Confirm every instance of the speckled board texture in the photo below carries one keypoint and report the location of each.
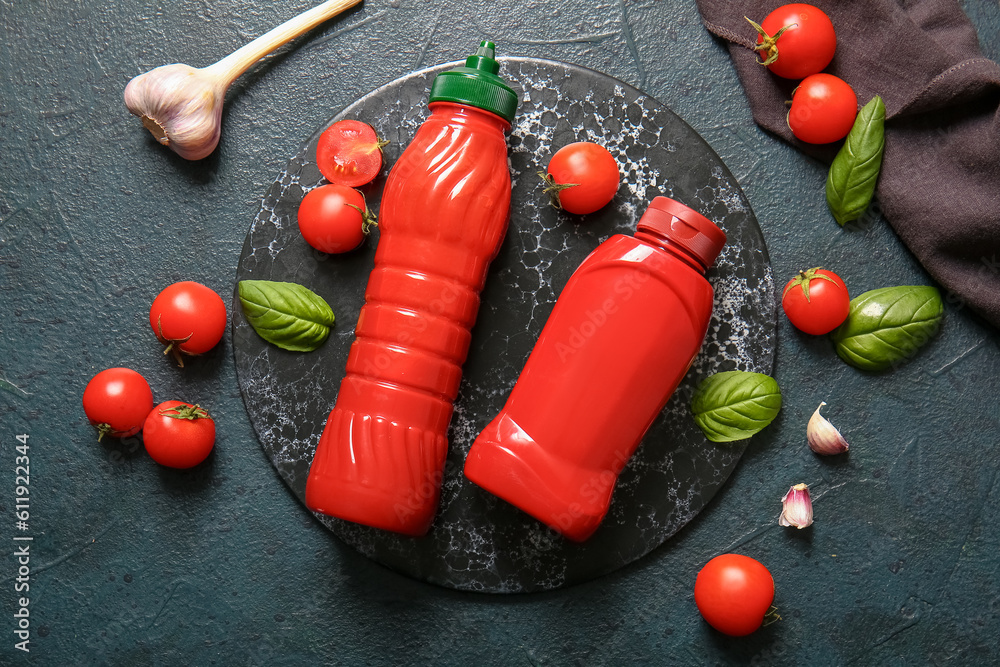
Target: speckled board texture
(130, 563)
(477, 543)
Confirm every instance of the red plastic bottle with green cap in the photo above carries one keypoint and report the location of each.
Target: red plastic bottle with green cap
(620, 338)
(443, 216)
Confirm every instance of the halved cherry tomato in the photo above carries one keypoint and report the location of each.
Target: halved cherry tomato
(188, 318)
(582, 178)
(349, 153)
(733, 593)
(823, 109)
(334, 218)
(816, 301)
(178, 434)
(796, 40)
(116, 401)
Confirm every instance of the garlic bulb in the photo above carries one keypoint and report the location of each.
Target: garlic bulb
(182, 105)
(823, 437)
(796, 507)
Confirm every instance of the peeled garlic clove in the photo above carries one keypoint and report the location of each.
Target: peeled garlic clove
(796, 507)
(823, 437)
(181, 106)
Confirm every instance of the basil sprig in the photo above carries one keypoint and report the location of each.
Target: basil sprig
(850, 184)
(887, 326)
(286, 314)
(734, 405)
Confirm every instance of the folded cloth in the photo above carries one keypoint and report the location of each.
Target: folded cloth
(940, 181)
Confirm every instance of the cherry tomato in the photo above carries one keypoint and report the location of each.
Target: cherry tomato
(349, 153)
(733, 593)
(582, 178)
(823, 109)
(796, 40)
(117, 401)
(178, 434)
(188, 318)
(334, 218)
(816, 301)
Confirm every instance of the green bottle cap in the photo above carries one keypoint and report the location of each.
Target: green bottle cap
(477, 84)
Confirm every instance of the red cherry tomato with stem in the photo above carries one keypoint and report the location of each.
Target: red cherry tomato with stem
(188, 318)
(582, 178)
(823, 109)
(796, 40)
(349, 152)
(334, 218)
(178, 434)
(816, 301)
(734, 593)
(116, 401)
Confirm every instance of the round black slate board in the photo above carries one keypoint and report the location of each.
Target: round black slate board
(478, 542)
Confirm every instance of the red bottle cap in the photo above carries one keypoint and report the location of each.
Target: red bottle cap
(683, 226)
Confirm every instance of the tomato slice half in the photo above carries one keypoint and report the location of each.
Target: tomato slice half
(349, 153)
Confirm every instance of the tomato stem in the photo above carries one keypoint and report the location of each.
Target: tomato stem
(175, 351)
(553, 189)
(768, 44)
(173, 344)
(368, 219)
(803, 280)
(190, 412)
(103, 429)
(770, 617)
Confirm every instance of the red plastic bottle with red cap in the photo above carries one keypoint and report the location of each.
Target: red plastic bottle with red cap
(620, 338)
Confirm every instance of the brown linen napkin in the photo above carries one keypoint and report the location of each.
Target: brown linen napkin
(940, 182)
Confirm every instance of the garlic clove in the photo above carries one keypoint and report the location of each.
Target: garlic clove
(823, 437)
(796, 507)
(181, 106)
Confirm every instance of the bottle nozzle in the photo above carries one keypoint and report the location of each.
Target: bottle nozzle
(484, 59)
(486, 49)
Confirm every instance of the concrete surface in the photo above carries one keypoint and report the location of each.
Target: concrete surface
(134, 564)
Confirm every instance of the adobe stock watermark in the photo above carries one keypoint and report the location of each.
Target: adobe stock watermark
(594, 491)
(979, 275)
(22, 543)
(427, 491)
(984, 279)
(448, 305)
(982, 276)
(121, 451)
(624, 289)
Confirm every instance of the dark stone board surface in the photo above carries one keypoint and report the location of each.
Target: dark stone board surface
(478, 543)
(134, 564)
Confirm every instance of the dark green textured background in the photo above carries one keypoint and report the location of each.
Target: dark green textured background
(135, 564)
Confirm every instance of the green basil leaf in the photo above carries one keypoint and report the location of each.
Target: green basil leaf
(887, 326)
(850, 185)
(735, 404)
(286, 314)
